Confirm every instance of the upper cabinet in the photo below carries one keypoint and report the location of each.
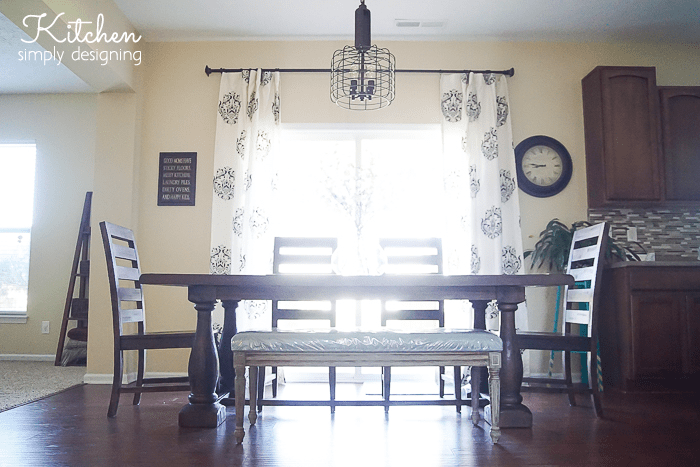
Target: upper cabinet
(642, 142)
(680, 126)
(621, 123)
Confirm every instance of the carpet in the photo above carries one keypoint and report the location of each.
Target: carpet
(22, 382)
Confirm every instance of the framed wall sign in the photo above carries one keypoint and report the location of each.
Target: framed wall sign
(177, 178)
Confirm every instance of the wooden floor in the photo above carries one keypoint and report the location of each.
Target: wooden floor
(71, 429)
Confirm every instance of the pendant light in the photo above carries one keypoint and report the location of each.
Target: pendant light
(362, 77)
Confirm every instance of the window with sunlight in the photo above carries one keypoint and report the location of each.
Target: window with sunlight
(16, 212)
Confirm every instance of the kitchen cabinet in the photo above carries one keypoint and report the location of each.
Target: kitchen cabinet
(642, 142)
(650, 326)
(680, 125)
(621, 123)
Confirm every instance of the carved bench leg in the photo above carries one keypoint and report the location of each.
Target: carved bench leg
(495, 394)
(253, 383)
(239, 387)
(475, 383)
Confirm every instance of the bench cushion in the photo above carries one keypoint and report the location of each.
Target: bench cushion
(332, 340)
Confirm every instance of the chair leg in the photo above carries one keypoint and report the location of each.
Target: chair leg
(116, 384)
(331, 383)
(595, 380)
(386, 386)
(568, 380)
(442, 382)
(261, 387)
(139, 375)
(458, 388)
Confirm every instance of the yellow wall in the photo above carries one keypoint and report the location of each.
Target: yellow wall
(64, 131)
(174, 109)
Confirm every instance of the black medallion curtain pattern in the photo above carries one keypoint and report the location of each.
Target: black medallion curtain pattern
(480, 181)
(247, 136)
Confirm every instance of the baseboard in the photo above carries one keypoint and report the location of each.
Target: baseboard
(106, 378)
(28, 357)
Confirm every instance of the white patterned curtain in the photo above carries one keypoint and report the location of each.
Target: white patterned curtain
(484, 235)
(247, 136)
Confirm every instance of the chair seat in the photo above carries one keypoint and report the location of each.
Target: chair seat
(438, 340)
(158, 340)
(553, 341)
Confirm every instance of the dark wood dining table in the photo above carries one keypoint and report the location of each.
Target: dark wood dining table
(204, 290)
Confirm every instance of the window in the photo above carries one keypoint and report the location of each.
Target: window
(16, 212)
(400, 165)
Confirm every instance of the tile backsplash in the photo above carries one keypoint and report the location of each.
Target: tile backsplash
(673, 234)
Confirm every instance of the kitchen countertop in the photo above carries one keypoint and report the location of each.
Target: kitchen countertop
(653, 264)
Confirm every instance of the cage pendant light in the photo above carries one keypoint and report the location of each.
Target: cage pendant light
(362, 77)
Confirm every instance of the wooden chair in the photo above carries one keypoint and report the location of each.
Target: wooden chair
(310, 255)
(128, 307)
(586, 259)
(411, 256)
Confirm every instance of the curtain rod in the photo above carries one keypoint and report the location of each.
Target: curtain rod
(209, 71)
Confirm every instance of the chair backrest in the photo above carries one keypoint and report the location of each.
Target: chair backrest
(309, 255)
(413, 256)
(124, 272)
(586, 260)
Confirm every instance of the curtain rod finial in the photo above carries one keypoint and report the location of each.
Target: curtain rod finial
(207, 70)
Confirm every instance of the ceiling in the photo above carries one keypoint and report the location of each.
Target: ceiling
(505, 20)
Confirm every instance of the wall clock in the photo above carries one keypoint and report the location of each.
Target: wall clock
(543, 166)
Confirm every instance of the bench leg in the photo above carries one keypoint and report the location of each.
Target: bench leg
(495, 394)
(475, 382)
(253, 383)
(239, 387)
(386, 386)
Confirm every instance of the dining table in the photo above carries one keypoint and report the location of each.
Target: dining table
(210, 368)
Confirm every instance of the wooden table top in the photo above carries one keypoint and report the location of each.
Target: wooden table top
(312, 286)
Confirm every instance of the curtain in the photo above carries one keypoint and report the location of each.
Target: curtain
(247, 137)
(483, 225)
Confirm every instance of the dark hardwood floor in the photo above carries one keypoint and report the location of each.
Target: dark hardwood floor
(72, 429)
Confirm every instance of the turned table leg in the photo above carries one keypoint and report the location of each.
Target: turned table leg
(513, 413)
(203, 410)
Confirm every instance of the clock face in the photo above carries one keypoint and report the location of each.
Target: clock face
(543, 166)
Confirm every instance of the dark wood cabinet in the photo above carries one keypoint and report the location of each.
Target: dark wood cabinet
(650, 326)
(621, 122)
(680, 125)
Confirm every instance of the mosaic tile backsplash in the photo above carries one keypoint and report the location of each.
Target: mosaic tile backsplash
(673, 234)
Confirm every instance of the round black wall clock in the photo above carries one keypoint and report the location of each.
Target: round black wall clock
(543, 166)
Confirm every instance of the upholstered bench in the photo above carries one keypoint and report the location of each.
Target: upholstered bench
(439, 347)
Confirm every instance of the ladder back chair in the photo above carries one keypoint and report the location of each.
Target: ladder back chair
(415, 256)
(309, 255)
(582, 301)
(128, 307)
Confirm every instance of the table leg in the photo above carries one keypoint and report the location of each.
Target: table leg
(226, 371)
(513, 413)
(479, 307)
(203, 410)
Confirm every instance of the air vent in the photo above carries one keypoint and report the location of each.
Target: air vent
(404, 23)
(416, 23)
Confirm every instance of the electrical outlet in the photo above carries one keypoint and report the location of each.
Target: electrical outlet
(632, 234)
(45, 327)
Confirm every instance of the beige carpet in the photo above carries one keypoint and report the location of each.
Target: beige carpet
(26, 381)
